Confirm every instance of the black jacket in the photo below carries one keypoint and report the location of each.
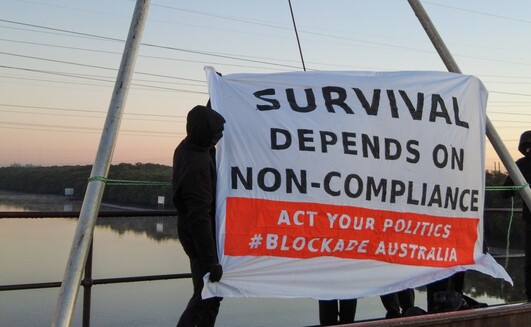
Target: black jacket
(524, 164)
(194, 184)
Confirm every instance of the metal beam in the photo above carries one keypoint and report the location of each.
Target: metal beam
(89, 211)
(451, 65)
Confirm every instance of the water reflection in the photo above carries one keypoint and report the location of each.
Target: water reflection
(14, 201)
(478, 285)
(155, 228)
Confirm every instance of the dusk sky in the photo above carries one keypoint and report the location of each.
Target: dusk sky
(59, 61)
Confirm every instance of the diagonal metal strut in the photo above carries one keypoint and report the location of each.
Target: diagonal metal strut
(492, 134)
(91, 203)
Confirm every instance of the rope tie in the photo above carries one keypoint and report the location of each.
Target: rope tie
(97, 178)
(508, 241)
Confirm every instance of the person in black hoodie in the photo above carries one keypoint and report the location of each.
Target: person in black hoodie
(524, 164)
(194, 194)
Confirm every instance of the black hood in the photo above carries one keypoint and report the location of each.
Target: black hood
(204, 126)
(525, 142)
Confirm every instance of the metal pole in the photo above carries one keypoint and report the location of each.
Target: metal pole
(87, 287)
(451, 65)
(91, 203)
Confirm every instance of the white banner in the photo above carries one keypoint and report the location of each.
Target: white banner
(336, 185)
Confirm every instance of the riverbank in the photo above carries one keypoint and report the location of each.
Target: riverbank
(52, 202)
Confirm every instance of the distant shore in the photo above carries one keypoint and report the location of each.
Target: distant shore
(72, 203)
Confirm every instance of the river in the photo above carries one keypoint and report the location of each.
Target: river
(36, 250)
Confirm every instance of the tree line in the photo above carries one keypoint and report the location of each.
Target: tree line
(55, 179)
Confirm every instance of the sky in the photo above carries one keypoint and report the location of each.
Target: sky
(59, 60)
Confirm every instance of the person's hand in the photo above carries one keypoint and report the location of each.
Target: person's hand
(216, 271)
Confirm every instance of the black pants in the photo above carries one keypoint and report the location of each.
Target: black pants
(199, 312)
(337, 312)
(397, 303)
(455, 282)
(527, 267)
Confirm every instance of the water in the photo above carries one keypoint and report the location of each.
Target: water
(36, 250)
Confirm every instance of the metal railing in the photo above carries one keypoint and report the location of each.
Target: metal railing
(87, 282)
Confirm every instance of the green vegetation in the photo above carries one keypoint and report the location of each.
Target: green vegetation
(54, 180)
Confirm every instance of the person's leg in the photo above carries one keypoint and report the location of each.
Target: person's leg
(208, 310)
(347, 311)
(391, 304)
(189, 314)
(458, 280)
(432, 288)
(186, 317)
(406, 298)
(328, 312)
(199, 312)
(527, 267)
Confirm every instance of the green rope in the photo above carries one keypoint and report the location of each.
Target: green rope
(509, 234)
(506, 188)
(108, 181)
(122, 182)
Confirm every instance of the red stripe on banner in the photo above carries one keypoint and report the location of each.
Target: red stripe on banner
(256, 227)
